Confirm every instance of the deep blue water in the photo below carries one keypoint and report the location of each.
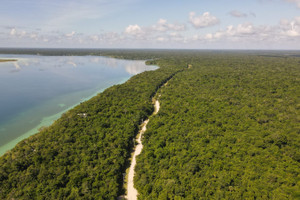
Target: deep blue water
(35, 90)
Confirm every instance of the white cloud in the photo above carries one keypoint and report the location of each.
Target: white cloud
(297, 2)
(13, 31)
(176, 37)
(238, 14)
(164, 34)
(292, 33)
(16, 33)
(209, 36)
(204, 20)
(284, 32)
(163, 26)
(133, 29)
(290, 28)
(161, 39)
(94, 38)
(70, 34)
(161, 31)
(297, 20)
(22, 33)
(33, 36)
(111, 37)
(245, 29)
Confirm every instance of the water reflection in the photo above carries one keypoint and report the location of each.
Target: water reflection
(17, 67)
(95, 59)
(136, 67)
(45, 62)
(72, 63)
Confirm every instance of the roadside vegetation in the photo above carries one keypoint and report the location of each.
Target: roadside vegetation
(228, 128)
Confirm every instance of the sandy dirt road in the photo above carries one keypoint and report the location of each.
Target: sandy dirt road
(131, 191)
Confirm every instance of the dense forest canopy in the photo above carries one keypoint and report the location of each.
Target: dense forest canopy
(227, 129)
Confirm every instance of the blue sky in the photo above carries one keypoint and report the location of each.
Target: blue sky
(191, 24)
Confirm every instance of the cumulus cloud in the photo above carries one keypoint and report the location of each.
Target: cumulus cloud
(26, 36)
(286, 30)
(17, 33)
(161, 39)
(238, 14)
(70, 34)
(246, 31)
(13, 31)
(166, 34)
(246, 28)
(111, 37)
(33, 36)
(161, 31)
(163, 25)
(176, 37)
(297, 2)
(204, 20)
(133, 29)
(290, 28)
(159, 27)
(94, 38)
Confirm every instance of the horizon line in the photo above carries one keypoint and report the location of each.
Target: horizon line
(200, 49)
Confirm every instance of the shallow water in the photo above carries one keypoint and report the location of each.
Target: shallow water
(36, 90)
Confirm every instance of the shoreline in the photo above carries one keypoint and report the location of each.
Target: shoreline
(48, 121)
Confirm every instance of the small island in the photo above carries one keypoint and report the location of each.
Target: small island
(8, 60)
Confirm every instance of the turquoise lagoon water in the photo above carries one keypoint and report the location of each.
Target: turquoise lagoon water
(36, 90)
